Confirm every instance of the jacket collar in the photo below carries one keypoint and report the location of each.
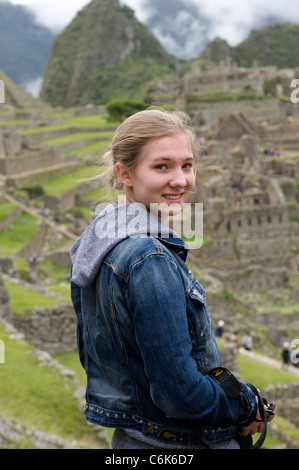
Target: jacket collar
(177, 245)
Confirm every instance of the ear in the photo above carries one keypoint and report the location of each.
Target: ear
(124, 175)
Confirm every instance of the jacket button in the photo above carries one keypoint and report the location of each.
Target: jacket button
(150, 430)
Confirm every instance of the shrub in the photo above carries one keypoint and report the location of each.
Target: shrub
(35, 191)
(119, 110)
(270, 85)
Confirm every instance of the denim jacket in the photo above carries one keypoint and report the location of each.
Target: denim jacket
(143, 333)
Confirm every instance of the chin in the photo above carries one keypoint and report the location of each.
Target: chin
(173, 209)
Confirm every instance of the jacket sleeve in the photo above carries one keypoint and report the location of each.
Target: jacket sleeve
(76, 300)
(156, 299)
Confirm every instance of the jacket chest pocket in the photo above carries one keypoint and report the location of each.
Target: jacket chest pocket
(198, 316)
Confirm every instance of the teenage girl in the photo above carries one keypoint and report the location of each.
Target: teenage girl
(144, 332)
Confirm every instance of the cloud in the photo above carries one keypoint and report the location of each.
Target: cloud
(184, 37)
(55, 14)
(234, 19)
(229, 19)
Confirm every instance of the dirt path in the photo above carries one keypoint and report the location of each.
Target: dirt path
(60, 228)
(268, 361)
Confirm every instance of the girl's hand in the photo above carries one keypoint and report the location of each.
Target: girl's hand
(255, 426)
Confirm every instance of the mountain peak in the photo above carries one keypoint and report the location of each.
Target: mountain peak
(103, 44)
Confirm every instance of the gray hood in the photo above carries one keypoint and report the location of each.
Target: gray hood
(111, 226)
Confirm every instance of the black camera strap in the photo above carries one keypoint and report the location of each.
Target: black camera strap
(264, 413)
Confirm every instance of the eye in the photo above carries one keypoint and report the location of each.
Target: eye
(188, 166)
(161, 166)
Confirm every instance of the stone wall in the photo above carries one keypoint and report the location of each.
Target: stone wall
(7, 267)
(51, 329)
(13, 433)
(256, 222)
(28, 162)
(228, 254)
(255, 111)
(254, 278)
(286, 399)
(229, 355)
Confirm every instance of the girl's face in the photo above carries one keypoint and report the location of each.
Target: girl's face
(164, 174)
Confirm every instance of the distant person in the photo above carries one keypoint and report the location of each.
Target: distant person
(32, 260)
(220, 329)
(235, 339)
(247, 342)
(285, 355)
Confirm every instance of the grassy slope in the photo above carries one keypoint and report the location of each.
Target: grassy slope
(37, 397)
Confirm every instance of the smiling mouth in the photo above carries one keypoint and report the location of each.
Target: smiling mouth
(172, 197)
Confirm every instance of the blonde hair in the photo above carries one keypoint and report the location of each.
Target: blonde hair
(136, 131)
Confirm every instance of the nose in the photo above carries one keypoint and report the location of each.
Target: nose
(178, 179)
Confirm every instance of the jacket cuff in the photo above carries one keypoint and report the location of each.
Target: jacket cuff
(248, 404)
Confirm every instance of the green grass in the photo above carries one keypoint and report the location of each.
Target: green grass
(14, 122)
(285, 158)
(62, 289)
(38, 397)
(24, 228)
(23, 301)
(80, 122)
(100, 194)
(262, 375)
(6, 209)
(95, 148)
(80, 136)
(287, 428)
(88, 122)
(44, 270)
(41, 129)
(71, 361)
(286, 309)
(62, 184)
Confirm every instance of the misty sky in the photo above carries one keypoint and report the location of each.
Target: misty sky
(230, 19)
